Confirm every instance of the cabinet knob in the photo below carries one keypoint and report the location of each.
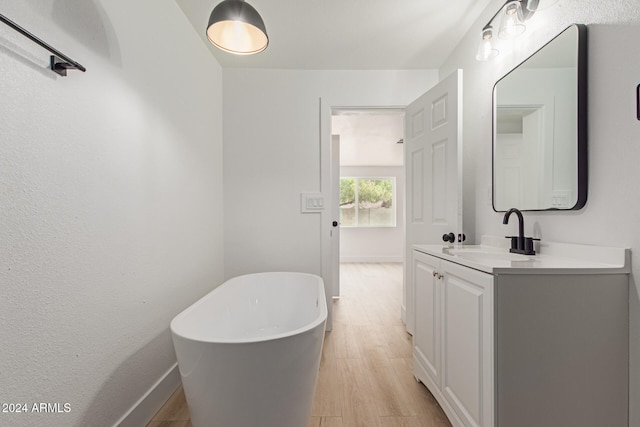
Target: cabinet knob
(440, 276)
(435, 273)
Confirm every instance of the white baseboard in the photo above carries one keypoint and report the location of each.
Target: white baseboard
(148, 405)
(372, 259)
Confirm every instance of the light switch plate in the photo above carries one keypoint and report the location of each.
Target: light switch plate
(311, 202)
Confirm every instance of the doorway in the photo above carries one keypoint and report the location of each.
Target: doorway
(368, 185)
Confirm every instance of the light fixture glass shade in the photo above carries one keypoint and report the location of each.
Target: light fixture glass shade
(236, 27)
(486, 49)
(511, 25)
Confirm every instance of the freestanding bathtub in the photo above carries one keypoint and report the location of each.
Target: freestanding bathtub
(249, 351)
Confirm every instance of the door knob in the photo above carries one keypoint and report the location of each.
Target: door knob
(335, 223)
(449, 237)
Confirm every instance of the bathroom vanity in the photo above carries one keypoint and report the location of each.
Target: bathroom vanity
(510, 340)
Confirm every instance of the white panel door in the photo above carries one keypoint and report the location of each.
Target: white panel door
(433, 167)
(335, 208)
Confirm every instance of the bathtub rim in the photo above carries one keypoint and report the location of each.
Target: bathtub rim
(322, 318)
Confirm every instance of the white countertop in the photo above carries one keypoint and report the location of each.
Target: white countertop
(553, 258)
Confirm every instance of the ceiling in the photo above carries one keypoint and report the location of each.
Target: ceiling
(349, 34)
(369, 137)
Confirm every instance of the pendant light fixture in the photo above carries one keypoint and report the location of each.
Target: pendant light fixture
(236, 27)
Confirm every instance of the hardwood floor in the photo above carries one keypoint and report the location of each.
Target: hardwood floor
(365, 377)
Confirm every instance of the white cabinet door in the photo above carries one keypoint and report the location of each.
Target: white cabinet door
(467, 343)
(453, 339)
(426, 338)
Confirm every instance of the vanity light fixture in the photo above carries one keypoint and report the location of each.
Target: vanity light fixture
(513, 15)
(59, 62)
(236, 27)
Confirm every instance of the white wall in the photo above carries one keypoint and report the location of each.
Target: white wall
(272, 154)
(111, 202)
(375, 244)
(610, 217)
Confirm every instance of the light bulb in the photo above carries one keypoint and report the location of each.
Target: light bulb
(486, 49)
(511, 25)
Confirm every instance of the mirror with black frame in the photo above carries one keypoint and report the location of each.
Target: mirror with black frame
(540, 128)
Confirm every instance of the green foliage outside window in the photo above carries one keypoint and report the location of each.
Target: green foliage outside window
(373, 198)
(375, 190)
(347, 191)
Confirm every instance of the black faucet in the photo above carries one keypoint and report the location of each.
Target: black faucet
(519, 244)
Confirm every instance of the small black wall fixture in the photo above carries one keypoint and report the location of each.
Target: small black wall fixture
(638, 102)
(60, 62)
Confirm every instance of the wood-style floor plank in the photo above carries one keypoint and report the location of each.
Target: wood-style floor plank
(400, 422)
(326, 422)
(327, 401)
(175, 410)
(387, 389)
(359, 401)
(429, 412)
(365, 377)
(177, 423)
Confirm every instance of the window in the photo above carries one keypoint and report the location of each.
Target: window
(373, 198)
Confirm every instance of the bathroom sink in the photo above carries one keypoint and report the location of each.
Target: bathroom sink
(479, 254)
(557, 257)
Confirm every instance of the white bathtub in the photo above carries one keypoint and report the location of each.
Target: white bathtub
(249, 351)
